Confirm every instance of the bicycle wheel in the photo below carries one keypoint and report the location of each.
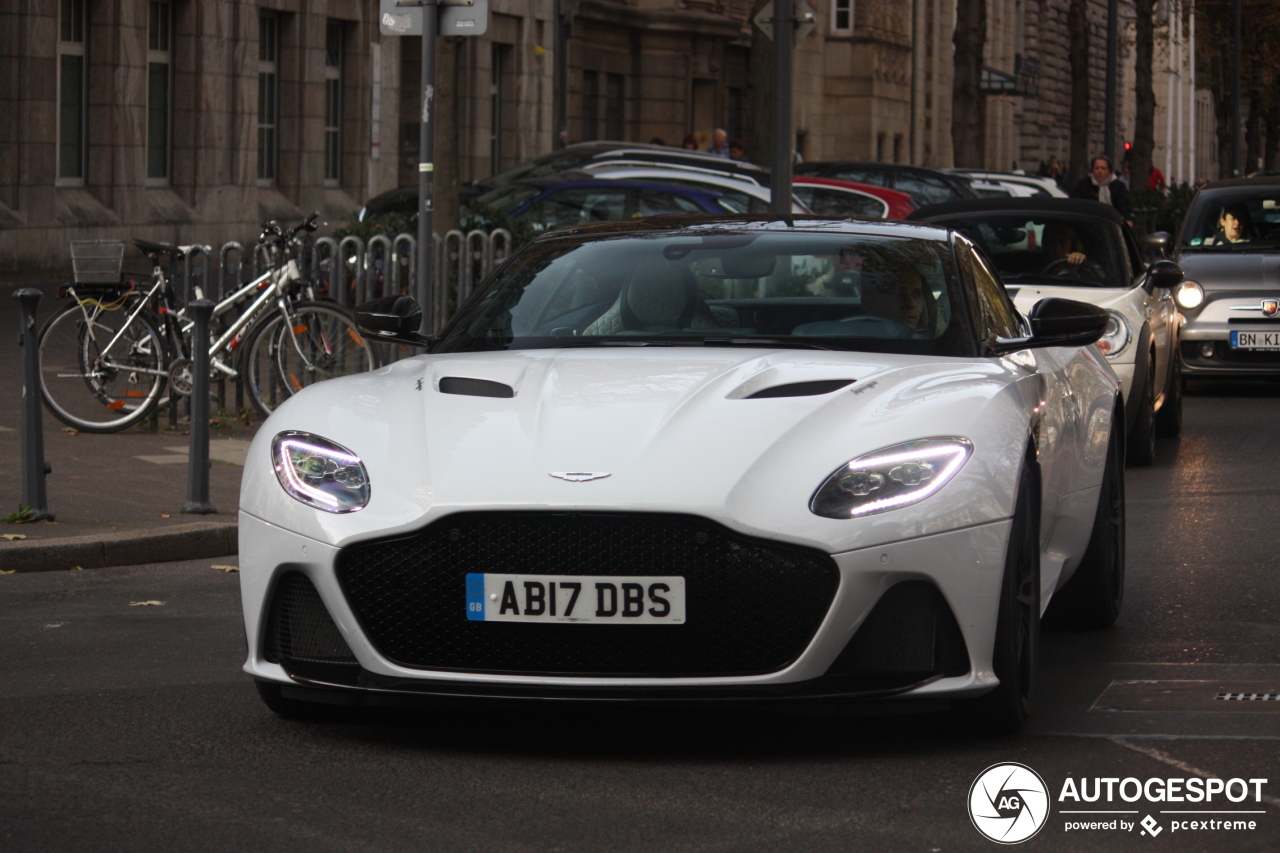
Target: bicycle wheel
(99, 370)
(281, 358)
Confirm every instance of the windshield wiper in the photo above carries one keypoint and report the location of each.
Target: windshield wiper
(792, 343)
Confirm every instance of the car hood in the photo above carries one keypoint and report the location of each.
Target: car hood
(1026, 296)
(1225, 270)
(654, 430)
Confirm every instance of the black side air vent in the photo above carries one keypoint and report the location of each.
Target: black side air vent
(803, 389)
(475, 387)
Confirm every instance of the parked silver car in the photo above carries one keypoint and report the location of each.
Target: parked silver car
(1229, 247)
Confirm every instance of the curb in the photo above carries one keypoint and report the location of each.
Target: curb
(130, 548)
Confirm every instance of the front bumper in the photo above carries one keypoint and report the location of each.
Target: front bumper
(1211, 326)
(965, 568)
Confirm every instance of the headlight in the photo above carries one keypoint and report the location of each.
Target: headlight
(891, 477)
(1190, 295)
(320, 473)
(1116, 337)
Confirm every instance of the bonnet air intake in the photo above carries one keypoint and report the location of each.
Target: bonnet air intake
(910, 636)
(301, 636)
(474, 387)
(802, 389)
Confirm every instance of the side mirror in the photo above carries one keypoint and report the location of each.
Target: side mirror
(1164, 274)
(392, 318)
(1060, 323)
(1158, 243)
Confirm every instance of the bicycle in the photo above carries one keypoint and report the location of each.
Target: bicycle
(107, 358)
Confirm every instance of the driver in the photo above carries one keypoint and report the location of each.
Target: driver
(1062, 243)
(1234, 226)
(899, 296)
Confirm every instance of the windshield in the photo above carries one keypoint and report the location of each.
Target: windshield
(722, 288)
(547, 164)
(1242, 219)
(1042, 248)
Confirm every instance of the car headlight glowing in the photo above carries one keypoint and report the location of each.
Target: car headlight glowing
(319, 472)
(1116, 336)
(891, 477)
(1190, 295)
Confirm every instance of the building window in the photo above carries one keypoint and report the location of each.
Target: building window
(897, 147)
(268, 95)
(71, 90)
(159, 89)
(590, 105)
(613, 107)
(842, 16)
(333, 102)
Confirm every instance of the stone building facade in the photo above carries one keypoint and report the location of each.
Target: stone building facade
(194, 120)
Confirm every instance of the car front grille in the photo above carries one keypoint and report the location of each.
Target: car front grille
(752, 605)
(301, 636)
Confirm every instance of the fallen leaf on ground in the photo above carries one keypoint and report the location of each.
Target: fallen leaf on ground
(77, 568)
(71, 430)
(145, 603)
(7, 572)
(227, 568)
(164, 516)
(12, 536)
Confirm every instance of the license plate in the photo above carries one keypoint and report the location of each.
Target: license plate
(1255, 340)
(616, 600)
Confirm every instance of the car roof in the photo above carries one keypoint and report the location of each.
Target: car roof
(693, 223)
(728, 181)
(883, 167)
(569, 180)
(1255, 181)
(1037, 204)
(852, 186)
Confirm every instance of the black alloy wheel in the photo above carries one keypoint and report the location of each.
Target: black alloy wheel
(1017, 647)
(1094, 595)
(1142, 441)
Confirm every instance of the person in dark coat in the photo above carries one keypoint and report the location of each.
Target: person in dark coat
(1103, 185)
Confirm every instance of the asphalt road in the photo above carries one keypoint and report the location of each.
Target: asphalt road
(128, 727)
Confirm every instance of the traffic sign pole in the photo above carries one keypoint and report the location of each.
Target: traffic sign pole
(780, 181)
(426, 160)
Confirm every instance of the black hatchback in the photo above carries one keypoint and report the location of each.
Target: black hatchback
(925, 186)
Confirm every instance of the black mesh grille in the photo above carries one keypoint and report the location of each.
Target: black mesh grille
(301, 636)
(909, 636)
(751, 605)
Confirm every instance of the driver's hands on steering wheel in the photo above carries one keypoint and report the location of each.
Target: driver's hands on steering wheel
(1075, 258)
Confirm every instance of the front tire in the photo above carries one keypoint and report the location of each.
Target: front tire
(1142, 441)
(1094, 595)
(1017, 648)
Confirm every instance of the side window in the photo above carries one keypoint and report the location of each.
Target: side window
(577, 207)
(998, 314)
(844, 203)
(924, 189)
(652, 202)
(862, 175)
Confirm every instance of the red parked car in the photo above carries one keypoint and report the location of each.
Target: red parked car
(847, 198)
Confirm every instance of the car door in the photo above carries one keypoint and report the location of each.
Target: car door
(1044, 370)
(1162, 316)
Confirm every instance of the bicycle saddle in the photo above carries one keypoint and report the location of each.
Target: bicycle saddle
(153, 249)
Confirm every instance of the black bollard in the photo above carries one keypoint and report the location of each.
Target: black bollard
(198, 473)
(34, 467)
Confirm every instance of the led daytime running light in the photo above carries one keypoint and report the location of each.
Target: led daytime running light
(918, 468)
(319, 472)
(1190, 295)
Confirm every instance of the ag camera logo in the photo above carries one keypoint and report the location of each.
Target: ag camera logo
(1008, 803)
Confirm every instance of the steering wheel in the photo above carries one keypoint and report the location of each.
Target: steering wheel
(1063, 268)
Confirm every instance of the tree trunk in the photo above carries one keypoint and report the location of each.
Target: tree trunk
(966, 94)
(758, 99)
(1144, 142)
(1252, 137)
(1078, 25)
(1271, 148)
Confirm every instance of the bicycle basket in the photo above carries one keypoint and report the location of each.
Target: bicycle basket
(97, 261)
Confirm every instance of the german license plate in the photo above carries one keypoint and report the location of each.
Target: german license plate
(1255, 340)
(620, 600)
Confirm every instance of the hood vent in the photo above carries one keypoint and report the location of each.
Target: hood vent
(474, 387)
(802, 389)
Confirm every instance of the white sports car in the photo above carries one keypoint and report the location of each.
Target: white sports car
(695, 458)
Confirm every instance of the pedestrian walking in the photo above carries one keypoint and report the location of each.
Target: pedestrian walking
(1103, 185)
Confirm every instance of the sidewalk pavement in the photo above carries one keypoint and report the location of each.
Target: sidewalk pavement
(116, 498)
